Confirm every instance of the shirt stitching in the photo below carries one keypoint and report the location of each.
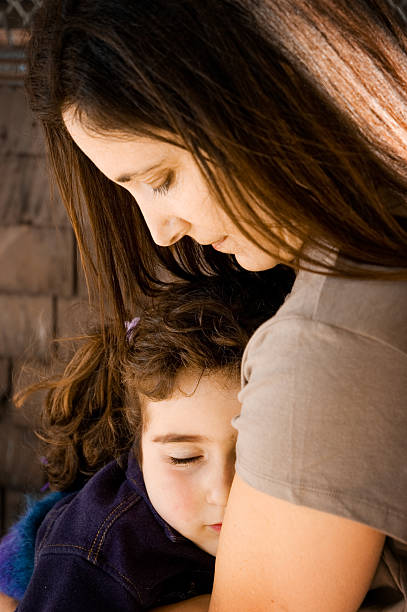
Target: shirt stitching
(335, 327)
(55, 514)
(319, 491)
(65, 546)
(82, 548)
(125, 578)
(114, 518)
(107, 518)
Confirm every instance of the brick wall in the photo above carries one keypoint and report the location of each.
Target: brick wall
(41, 293)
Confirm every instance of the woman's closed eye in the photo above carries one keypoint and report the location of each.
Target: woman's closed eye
(165, 186)
(184, 460)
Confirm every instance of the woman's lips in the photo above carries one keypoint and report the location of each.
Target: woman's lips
(216, 527)
(217, 245)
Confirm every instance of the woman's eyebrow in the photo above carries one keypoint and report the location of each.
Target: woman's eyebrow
(126, 178)
(173, 437)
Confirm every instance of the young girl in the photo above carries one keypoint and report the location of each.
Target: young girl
(144, 529)
(198, 134)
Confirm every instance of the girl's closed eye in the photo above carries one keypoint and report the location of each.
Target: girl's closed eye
(184, 460)
(165, 186)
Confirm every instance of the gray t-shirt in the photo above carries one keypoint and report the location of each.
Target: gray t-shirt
(324, 412)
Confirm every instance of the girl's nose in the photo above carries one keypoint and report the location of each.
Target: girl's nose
(220, 483)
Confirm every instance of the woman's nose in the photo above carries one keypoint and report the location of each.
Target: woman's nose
(165, 229)
(220, 484)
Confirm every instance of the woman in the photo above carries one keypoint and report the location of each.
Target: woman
(198, 135)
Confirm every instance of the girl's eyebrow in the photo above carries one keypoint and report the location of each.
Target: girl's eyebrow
(172, 437)
(126, 178)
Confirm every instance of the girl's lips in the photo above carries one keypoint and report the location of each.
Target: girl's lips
(216, 527)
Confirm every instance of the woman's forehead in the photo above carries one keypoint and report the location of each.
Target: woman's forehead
(119, 155)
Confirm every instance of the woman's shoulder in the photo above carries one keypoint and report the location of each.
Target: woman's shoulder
(323, 416)
(334, 341)
(375, 309)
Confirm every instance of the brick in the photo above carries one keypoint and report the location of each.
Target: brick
(19, 131)
(24, 375)
(26, 195)
(4, 377)
(81, 280)
(20, 466)
(2, 510)
(74, 318)
(36, 260)
(82, 288)
(14, 505)
(16, 37)
(28, 415)
(26, 326)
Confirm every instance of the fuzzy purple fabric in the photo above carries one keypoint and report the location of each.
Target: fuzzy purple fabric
(17, 548)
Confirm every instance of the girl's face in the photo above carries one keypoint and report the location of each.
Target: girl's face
(170, 191)
(188, 455)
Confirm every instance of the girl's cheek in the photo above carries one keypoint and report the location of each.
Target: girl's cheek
(184, 488)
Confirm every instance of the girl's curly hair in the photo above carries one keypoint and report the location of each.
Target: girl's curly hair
(93, 412)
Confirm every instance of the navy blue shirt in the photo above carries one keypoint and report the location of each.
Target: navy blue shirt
(106, 548)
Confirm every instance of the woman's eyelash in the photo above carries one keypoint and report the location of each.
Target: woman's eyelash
(164, 187)
(185, 460)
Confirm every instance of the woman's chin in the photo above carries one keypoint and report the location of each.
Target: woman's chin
(256, 262)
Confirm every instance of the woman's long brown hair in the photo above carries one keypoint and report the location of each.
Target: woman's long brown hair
(93, 411)
(295, 111)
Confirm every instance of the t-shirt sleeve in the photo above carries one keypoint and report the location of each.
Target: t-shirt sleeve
(324, 421)
(67, 582)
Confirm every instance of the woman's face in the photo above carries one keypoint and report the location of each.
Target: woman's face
(170, 191)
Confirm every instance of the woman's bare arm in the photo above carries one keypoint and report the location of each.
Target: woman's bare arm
(7, 604)
(276, 556)
(196, 604)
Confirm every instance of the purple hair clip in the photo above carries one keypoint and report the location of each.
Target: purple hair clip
(130, 325)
